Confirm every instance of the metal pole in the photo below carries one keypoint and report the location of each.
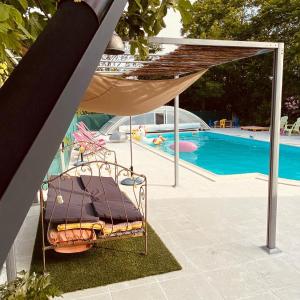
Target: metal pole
(130, 141)
(36, 199)
(62, 157)
(11, 267)
(176, 139)
(26, 168)
(274, 147)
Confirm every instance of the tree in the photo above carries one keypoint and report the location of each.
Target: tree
(246, 84)
(279, 20)
(20, 24)
(21, 21)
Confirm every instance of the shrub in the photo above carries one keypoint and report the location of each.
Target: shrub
(29, 287)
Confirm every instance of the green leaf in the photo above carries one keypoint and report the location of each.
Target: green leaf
(141, 18)
(4, 27)
(25, 31)
(29, 287)
(138, 3)
(24, 4)
(184, 7)
(16, 15)
(4, 12)
(157, 27)
(133, 47)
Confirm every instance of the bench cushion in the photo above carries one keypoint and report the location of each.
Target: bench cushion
(77, 203)
(109, 202)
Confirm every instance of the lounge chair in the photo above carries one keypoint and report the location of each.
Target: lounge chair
(86, 138)
(88, 135)
(223, 123)
(283, 123)
(292, 128)
(95, 135)
(255, 128)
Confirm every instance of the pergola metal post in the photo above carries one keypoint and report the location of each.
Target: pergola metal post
(73, 52)
(11, 262)
(176, 139)
(274, 147)
(130, 141)
(11, 267)
(278, 49)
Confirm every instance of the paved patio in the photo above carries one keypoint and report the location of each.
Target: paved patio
(215, 227)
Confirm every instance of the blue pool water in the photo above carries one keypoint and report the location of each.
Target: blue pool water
(223, 154)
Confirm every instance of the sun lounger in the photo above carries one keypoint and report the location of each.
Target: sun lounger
(293, 128)
(255, 128)
(88, 137)
(283, 122)
(81, 126)
(88, 142)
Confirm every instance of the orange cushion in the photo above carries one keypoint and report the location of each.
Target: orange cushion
(62, 238)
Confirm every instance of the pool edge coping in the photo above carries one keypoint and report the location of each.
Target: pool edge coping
(212, 177)
(257, 138)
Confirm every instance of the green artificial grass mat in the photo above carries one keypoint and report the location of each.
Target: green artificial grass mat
(108, 262)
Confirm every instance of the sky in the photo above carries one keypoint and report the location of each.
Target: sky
(173, 25)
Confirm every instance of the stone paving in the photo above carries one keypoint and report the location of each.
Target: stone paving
(293, 140)
(215, 227)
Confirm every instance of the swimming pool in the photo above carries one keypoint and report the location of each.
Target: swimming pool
(224, 154)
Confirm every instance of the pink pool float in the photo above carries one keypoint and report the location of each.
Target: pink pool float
(185, 146)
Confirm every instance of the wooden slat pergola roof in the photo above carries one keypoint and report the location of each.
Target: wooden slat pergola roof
(187, 56)
(190, 58)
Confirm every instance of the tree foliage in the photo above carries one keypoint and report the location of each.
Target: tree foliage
(246, 84)
(146, 18)
(21, 21)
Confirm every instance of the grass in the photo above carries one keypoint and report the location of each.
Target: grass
(109, 262)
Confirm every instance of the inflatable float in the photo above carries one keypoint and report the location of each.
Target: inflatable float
(140, 135)
(185, 146)
(159, 140)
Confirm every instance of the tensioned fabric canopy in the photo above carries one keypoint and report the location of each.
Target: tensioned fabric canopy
(126, 97)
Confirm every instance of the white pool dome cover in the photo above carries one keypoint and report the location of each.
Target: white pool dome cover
(160, 119)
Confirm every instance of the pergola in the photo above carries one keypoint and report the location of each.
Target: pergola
(86, 29)
(187, 56)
